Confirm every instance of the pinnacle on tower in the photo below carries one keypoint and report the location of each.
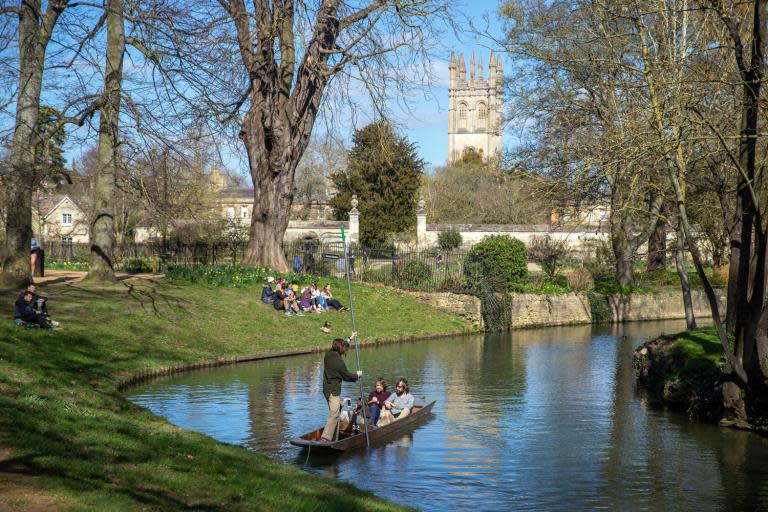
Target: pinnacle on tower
(462, 67)
(472, 66)
(480, 68)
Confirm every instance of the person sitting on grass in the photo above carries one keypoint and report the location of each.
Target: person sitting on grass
(398, 405)
(329, 300)
(306, 302)
(39, 304)
(291, 303)
(267, 293)
(317, 297)
(24, 312)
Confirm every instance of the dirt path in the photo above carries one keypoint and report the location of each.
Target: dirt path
(19, 487)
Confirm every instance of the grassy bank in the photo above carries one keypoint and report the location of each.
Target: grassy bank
(683, 370)
(69, 439)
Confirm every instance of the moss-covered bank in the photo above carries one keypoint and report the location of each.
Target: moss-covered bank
(69, 439)
(684, 371)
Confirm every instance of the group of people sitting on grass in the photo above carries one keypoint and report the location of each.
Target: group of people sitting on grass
(294, 300)
(31, 310)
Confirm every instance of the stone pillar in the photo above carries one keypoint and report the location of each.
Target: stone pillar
(354, 221)
(421, 224)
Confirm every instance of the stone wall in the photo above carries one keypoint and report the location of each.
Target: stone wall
(465, 306)
(661, 306)
(546, 310)
(529, 310)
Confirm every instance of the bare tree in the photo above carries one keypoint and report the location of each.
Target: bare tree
(35, 30)
(287, 55)
(103, 221)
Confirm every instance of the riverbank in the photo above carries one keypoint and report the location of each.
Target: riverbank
(70, 439)
(684, 372)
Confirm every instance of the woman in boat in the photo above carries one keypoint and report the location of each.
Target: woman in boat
(398, 405)
(334, 372)
(376, 399)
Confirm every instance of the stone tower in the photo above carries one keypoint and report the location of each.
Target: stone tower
(474, 108)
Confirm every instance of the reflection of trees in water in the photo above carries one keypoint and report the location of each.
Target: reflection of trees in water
(659, 459)
(266, 403)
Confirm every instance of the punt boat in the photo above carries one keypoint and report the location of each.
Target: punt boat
(349, 439)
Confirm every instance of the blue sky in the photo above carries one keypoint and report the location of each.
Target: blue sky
(428, 126)
(427, 122)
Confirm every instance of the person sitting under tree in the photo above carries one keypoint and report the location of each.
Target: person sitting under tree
(24, 312)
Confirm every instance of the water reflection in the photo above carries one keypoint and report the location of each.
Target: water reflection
(539, 419)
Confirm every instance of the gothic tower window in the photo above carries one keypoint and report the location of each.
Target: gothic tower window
(482, 115)
(462, 115)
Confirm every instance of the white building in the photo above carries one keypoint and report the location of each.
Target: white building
(64, 222)
(474, 108)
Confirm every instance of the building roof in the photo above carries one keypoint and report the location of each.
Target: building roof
(50, 203)
(236, 193)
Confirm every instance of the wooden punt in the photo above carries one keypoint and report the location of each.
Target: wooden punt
(348, 439)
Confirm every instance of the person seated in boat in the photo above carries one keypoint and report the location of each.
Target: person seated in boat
(334, 372)
(398, 405)
(376, 399)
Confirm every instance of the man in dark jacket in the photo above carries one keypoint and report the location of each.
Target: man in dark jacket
(267, 293)
(24, 312)
(39, 304)
(334, 372)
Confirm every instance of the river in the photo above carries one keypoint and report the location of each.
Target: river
(541, 419)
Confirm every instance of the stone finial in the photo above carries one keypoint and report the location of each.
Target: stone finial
(472, 66)
(422, 205)
(354, 204)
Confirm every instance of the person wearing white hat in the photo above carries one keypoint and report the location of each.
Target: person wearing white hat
(267, 293)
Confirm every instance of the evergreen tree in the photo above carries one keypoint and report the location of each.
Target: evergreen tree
(49, 152)
(385, 172)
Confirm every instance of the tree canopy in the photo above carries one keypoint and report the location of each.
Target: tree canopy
(384, 171)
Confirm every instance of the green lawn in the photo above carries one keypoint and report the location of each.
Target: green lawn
(68, 434)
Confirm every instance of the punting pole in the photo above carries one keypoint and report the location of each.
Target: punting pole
(354, 329)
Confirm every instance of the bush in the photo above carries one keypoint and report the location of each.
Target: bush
(580, 279)
(414, 274)
(138, 266)
(719, 277)
(548, 252)
(542, 285)
(498, 257)
(229, 275)
(449, 240)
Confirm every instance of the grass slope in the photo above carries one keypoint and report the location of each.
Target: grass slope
(85, 447)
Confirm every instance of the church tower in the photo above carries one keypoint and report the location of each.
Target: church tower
(474, 108)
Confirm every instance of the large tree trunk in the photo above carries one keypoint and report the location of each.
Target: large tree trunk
(103, 223)
(18, 196)
(277, 127)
